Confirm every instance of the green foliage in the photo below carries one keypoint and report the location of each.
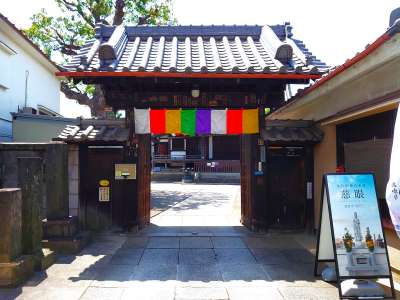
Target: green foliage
(347, 236)
(62, 36)
(347, 240)
(156, 12)
(65, 34)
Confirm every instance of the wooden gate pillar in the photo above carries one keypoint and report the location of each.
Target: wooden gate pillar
(252, 181)
(246, 180)
(143, 179)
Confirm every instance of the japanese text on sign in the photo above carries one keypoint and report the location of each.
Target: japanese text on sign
(104, 194)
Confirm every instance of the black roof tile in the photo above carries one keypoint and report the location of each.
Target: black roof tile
(199, 49)
(291, 131)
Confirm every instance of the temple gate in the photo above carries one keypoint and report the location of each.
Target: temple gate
(183, 67)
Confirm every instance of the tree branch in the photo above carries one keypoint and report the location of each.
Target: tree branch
(87, 18)
(96, 103)
(69, 5)
(74, 94)
(119, 12)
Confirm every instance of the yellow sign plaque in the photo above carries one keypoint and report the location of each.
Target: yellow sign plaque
(125, 171)
(104, 182)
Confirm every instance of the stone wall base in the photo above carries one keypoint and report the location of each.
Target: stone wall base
(16, 272)
(44, 259)
(68, 245)
(60, 228)
(63, 236)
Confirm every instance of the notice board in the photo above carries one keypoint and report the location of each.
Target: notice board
(351, 233)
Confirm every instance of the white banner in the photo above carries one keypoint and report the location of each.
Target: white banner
(218, 121)
(393, 186)
(142, 121)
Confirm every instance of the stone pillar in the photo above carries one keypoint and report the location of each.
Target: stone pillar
(11, 229)
(61, 231)
(30, 178)
(14, 268)
(56, 161)
(31, 182)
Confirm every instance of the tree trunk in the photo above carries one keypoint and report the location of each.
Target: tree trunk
(95, 103)
(119, 12)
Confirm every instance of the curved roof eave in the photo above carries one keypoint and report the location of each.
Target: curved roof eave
(301, 95)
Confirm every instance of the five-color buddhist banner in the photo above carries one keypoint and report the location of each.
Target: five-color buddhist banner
(196, 121)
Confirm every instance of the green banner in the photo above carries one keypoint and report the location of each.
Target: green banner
(188, 121)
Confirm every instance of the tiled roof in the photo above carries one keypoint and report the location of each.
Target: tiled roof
(291, 131)
(196, 49)
(93, 133)
(114, 131)
(394, 29)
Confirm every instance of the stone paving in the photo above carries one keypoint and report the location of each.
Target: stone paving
(195, 248)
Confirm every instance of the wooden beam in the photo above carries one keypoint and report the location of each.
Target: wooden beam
(188, 75)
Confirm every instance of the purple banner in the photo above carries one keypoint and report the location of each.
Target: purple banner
(203, 121)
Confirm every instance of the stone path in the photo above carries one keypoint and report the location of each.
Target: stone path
(195, 248)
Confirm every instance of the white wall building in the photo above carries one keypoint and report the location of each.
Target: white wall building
(27, 78)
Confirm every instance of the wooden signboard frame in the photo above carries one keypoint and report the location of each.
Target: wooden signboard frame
(326, 248)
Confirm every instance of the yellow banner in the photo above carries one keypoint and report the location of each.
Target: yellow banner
(250, 121)
(173, 121)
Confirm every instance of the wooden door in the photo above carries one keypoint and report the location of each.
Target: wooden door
(286, 194)
(120, 211)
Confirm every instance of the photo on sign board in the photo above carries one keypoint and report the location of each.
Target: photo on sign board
(359, 240)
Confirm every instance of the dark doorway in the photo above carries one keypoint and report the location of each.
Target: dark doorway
(286, 191)
(117, 212)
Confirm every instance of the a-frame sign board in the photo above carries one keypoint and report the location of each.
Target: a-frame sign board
(350, 232)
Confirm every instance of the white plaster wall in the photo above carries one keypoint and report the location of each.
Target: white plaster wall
(43, 85)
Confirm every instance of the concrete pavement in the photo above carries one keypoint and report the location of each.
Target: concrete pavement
(195, 248)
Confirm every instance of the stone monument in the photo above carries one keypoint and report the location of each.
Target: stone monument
(61, 232)
(14, 267)
(357, 230)
(31, 182)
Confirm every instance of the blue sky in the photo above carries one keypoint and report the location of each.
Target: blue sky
(333, 30)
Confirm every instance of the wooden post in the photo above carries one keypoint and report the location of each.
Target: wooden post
(144, 179)
(210, 147)
(246, 180)
(252, 186)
